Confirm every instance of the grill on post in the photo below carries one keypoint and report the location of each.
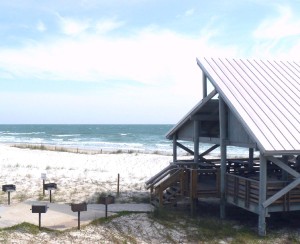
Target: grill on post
(49, 187)
(42, 208)
(8, 188)
(79, 207)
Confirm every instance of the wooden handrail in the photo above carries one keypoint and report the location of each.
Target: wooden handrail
(160, 177)
(169, 167)
(170, 180)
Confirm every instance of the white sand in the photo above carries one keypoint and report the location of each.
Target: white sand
(82, 177)
(79, 177)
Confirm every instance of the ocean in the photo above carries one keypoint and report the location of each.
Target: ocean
(113, 137)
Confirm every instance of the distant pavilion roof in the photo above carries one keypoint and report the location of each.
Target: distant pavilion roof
(263, 95)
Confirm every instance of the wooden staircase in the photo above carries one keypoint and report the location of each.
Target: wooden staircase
(168, 186)
(178, 183)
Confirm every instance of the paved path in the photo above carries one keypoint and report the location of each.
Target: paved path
(60, 216)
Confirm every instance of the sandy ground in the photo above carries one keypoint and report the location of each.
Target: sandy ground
(79, 177)
(82, 177)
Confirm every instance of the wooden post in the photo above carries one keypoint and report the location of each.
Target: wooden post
(284, 174)
(196, 141)
(118, 186)
(223, 146)
(251, 153)
(262, 196)
(204, 85)
(193, 172)
(174, 148)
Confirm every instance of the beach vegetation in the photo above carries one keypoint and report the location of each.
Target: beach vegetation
(41, 196)
(209, 228)
(140, 199)
(100, 221)
(21, 196)
(27, 228)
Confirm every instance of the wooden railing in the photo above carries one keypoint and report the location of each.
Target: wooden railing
(247, 190)
(242, 188)
(292, 197)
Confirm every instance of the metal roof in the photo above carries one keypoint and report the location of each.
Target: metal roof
(264, 95)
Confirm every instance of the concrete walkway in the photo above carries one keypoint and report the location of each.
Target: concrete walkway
(60, 216)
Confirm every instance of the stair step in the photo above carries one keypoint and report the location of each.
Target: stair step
(155, 202)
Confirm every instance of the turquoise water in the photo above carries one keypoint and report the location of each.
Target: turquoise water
(141, 138)
(105, 137)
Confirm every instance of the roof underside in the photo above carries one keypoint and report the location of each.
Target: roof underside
(264, 96)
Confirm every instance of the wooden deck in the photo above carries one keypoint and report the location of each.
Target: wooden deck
(181, 180)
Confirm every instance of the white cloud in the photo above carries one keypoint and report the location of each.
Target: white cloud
(278, 37)
(108, 25)
(150, 56)
(163, 60)
(41, 27)
(189, 12)
(71, 26)
(284, 25)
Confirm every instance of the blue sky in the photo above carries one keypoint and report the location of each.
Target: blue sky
(134, 61)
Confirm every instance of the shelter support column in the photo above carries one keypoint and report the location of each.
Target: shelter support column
(223, 148)
(251, 157)
(174, 147)
(262, 196)
(193, 172)
(284, 176)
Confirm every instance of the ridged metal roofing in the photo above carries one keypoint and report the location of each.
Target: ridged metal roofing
(264, 95)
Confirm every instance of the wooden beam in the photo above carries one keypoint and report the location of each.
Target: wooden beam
(196, 141)
(204, 85)
(205, 117)
(284, 166)
(194, 171)
(184, 148)
(262, 196)
(223, 145)
(282, 192)
(251, 156)
(209, 150)
(174, 147)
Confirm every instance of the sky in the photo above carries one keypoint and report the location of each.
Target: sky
(128, 62)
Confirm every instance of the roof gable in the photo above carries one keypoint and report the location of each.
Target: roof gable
(264, 96)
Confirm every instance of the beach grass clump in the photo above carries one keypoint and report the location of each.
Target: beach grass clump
(205, 228)
(27, 228)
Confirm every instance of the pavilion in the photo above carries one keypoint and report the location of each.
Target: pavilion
(253, 104)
